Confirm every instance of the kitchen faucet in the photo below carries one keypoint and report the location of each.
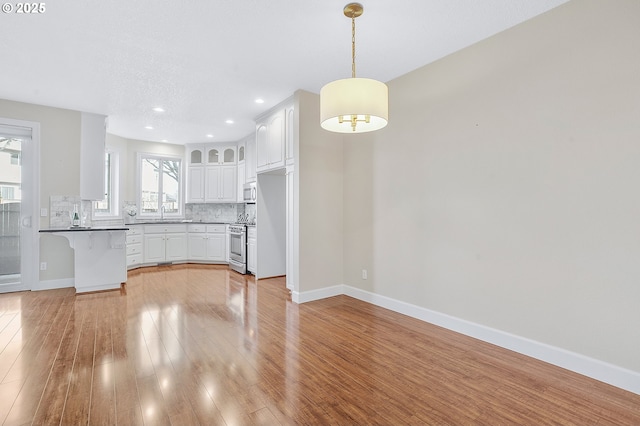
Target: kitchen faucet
(162, 212)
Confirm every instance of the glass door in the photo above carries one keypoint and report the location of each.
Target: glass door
(17, 198)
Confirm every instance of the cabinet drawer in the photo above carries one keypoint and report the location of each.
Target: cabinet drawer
(197, 228)
(134, 249)
(134, 230)
(134, 239)
(135, 259)
(164, 229)
(221, 229)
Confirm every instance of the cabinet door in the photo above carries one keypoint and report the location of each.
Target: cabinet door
(154, 248)
(197, 247)
(289, 136)
(276, 137)
(214, 156)
(240, 183)
(228, 155)
(228, 175)
(195, 185)
(262, 147)
(212, 183)
(250, 160)
(176, 247)
(216, 247)
(195, 156)
(252, 255)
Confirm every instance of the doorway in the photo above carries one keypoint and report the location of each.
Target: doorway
(19, 169)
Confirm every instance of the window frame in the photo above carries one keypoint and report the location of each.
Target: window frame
(113, 190)
(142, 156)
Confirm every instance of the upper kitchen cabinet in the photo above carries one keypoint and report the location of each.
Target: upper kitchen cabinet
(221, 155)
(271, 140)
(250, 159)
(289, 135)
(93, 134)
(242, 167)
(211, 175)
(195, 173)
(195, 155)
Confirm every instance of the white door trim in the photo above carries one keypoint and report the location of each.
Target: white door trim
(30, 242)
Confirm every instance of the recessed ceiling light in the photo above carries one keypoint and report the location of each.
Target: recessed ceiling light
(164, 140)
(158, 109)
(209, 135)
(259, 101)
(148, 127)
(229, 121)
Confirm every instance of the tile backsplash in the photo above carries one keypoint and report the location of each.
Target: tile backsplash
(227, 213)
(61, 209)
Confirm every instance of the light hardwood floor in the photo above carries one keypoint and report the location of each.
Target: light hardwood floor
(203, 345)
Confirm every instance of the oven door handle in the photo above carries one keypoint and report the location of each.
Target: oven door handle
(237, 233)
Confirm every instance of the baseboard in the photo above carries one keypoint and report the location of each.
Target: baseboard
(53, 284)
(323, 293)
(608, 373)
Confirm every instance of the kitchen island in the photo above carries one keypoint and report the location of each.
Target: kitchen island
(99, 256)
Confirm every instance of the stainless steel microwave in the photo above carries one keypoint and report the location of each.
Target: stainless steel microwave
(250, 192)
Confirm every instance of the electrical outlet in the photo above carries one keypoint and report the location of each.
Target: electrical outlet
(43, 266)
(44, 212)
(364, 274)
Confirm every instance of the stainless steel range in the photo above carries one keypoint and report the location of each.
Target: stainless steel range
(238, 248)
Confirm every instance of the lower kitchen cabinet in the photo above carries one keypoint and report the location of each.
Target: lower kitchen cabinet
(165, 243)
(207, 243)
(252, 249)
(134, 247)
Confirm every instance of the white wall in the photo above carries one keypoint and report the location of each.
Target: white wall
(320, 179)
(504, 190)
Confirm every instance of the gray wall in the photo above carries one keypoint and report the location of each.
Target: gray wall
(504, 190)
(59, 172)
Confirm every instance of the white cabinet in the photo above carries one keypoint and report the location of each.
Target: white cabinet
(134, 246)
(270, 142)
(220, 155)
(195, 184)
(207, 243)
(165, 243)
(220, 184)
(252, 249)
(211, 173)
(241, 175)
(250, 159)
(289, 135)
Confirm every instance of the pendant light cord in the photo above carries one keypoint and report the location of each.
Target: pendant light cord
(353, 46)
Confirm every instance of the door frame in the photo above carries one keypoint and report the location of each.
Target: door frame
(29, 239)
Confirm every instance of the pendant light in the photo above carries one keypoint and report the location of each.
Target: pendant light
(354, 105)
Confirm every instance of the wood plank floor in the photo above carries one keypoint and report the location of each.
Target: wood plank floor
(193, 344)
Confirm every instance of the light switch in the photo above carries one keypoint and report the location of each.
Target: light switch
(44, 212)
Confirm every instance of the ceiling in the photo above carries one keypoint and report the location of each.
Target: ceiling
(206, 61)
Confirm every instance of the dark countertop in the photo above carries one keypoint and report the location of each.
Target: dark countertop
(85, 229)
(178, 222)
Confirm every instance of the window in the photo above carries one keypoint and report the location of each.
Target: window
(108, 207)
(15, 159)
(160, 183)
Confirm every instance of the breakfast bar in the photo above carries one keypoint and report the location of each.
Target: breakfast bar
(99, 256)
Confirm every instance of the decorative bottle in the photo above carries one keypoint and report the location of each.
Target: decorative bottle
(75, 221)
